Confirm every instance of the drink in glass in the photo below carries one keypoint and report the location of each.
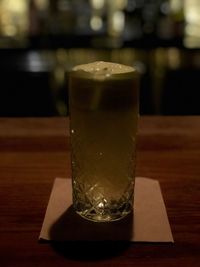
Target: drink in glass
(103, 125)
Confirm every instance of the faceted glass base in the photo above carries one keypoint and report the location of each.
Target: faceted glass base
(104, 214)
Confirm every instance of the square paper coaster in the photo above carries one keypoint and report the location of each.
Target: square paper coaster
(148, 223)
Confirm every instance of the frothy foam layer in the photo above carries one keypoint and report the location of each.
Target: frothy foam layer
(104, 68)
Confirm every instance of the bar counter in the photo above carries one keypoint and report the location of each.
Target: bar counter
(34, 151)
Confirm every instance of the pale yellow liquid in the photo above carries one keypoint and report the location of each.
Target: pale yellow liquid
(103, 119)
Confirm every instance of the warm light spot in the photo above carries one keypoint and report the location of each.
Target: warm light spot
(97, 4)
(174, 58)
(176, 5)
(96, 23)
(14, 17)
(101, 205)
(42, 4)
(118, 21)
(120, 4)
(10, 30)
(14, 6)
(192, 21)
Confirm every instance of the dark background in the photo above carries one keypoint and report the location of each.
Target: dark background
(35, 57)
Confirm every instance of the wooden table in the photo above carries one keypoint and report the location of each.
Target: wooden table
(35, 151)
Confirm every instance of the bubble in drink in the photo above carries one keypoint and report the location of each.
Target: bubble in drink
(103, 123)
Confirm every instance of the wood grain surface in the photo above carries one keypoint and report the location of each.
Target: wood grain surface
(33, 151)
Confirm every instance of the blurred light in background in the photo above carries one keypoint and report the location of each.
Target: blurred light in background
(127, 27)
(174, 58)
(42, 4)
(118, 22)
(116, 17)
(165, 19)
(192, 27)
(97, 4)
(96, 23)
(13, 17)
(176, 5)
(97, 12)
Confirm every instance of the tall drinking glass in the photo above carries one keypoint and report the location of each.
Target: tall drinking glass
(103, 125)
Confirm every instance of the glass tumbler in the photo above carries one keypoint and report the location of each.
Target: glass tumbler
(103, 101)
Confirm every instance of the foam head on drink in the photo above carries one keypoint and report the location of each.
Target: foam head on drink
(103, 126)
